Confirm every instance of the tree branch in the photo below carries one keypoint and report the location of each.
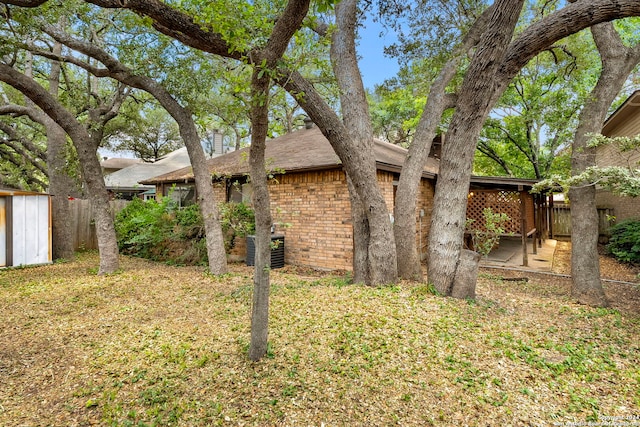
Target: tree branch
(18, 110)
(558, 25)
(30, 146)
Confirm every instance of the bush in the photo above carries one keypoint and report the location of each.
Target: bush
(237, 220)
(624, 243)
(487, 236)
(162, 231)
(143, 227)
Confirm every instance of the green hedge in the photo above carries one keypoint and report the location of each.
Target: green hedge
(624, 243)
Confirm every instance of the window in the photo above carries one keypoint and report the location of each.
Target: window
(239, 191)
(183, 195)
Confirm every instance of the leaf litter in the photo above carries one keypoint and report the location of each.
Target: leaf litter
(163, 345)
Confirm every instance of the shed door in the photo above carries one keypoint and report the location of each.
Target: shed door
(3, 231)
(30, 230)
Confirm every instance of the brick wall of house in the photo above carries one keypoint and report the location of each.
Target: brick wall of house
(220, 191)
(425, 202)
(315, 206)
(316, 210)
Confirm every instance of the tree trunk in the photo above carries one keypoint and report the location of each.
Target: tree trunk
(360, 237)
(59, 184)
(473, 106)
(91, 170)
(464, 283)
(617, 63)
(370, 213)
(585, 261)
(404, 227)
(285, 27)
(262, 209)
(206, 197)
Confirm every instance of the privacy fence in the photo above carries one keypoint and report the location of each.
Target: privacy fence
(562, 220)
(82, 225)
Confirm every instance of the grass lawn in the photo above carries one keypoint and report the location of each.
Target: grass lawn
(162, 345)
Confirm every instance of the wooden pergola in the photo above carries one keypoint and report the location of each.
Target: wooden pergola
(528, 213)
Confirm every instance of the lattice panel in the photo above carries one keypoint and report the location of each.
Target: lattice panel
(500, 201)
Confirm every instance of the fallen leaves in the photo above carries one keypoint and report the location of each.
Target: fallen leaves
(167, 346)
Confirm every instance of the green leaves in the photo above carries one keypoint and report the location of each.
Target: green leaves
(486, 236)
(620, 180)
(624, 242)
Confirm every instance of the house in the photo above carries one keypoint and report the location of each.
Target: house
(625, 121)
(309, 193)
(25, 228)
(124, 183)
(114, 164)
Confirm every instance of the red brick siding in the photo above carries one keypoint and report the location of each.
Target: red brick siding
(316, 205)
(220, 192)
(425, 201)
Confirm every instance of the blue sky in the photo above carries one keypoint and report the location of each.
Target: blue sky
(374, 65)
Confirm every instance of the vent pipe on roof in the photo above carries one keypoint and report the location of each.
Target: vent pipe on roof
(308, 123)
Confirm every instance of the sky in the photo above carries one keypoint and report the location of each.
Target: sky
(374, 65)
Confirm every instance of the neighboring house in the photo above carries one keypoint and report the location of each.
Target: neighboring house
(125, 183)
(114, 164)
(309, 194)
(25, 228)
(625, 121)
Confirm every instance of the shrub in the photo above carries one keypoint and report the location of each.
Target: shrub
(189, 222)
(142, 227)
(624, 243)
(162, 231)
(486, 236)
(237, 220)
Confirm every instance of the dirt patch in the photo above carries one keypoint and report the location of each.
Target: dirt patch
(609, 268)
(624, 296)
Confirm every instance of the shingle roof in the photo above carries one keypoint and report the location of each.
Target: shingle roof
(302, 150)
(118, 163)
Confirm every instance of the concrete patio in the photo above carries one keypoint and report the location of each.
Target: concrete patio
(509, 254)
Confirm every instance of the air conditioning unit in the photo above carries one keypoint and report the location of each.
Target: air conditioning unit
(277, 250)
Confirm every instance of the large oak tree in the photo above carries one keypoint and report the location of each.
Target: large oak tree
(496, 58)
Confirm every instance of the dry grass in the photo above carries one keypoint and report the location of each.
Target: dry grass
(160, 345)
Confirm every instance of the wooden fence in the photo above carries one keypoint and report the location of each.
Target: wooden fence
(82, 225)
(562, 221)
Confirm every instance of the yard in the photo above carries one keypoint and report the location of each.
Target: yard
(163, 345)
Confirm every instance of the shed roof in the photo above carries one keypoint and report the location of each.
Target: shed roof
(302, 150)
(6, 191)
